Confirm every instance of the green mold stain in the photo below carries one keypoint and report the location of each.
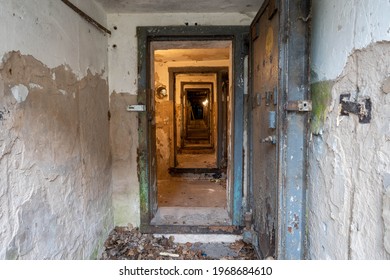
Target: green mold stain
(321, 95)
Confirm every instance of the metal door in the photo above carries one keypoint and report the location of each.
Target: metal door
(265, 77)
(147, 157)
(279, 83)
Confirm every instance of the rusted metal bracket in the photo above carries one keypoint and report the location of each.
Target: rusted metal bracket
(299, 106)
(361, 108)
(86, 17)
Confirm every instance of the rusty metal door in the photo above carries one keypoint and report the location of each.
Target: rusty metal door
(265, 77)
(278, 129)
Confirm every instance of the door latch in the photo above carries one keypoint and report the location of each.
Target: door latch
(299, 106)
(136, 108)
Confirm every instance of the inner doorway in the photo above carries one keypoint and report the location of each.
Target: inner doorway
(191, 131)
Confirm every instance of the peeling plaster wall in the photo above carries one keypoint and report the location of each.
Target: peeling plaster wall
(55, 163)
(339, 27)
(349, 162)
(122, 55)
(54, 34)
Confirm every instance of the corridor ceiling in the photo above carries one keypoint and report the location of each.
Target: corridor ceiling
(180, 6)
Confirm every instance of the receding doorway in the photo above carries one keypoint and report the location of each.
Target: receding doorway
(196, 129)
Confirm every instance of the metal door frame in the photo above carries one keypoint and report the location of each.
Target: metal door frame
(293, 146)
(238, 36)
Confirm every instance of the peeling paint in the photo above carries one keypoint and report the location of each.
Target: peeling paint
(20, 93)
(386, 85)
(345, 188)
(35, 86)
(55, 163)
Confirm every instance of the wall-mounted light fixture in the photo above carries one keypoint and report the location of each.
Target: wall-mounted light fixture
(161, 92)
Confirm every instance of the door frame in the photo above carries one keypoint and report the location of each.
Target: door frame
(295, 18)
(238, 35)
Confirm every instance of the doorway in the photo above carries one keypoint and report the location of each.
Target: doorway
(191, 186)
(191, 135)
(276, 110)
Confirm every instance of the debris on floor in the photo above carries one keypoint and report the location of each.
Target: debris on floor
(126, 243)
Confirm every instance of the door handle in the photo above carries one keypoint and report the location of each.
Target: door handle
(269, 139)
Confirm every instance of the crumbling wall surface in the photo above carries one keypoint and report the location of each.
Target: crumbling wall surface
(55, 165)
(349, 162)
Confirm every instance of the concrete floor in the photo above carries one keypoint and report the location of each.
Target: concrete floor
(197, 160)
(192, 201)
(191, 192)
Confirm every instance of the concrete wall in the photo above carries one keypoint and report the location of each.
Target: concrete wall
(349, 162)
(123, 88)
(55, 164)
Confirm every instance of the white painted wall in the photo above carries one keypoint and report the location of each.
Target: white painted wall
(123, 79)
(339, 27)
(54, 34)
(349, 162)
(123, 59)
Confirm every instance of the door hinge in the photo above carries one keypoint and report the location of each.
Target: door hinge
(299, 106)
(362, 108)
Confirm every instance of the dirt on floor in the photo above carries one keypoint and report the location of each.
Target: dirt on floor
(126, 243)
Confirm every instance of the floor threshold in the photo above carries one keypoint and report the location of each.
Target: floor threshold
(192, 216)
(191, 230)
(178, 170)
(203, 238)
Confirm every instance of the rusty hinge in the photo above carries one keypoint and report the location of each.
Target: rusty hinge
(299, 106)
(360, 108)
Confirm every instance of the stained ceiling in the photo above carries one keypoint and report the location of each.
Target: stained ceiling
(180, 6)
(191, 55)
(174, 51)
